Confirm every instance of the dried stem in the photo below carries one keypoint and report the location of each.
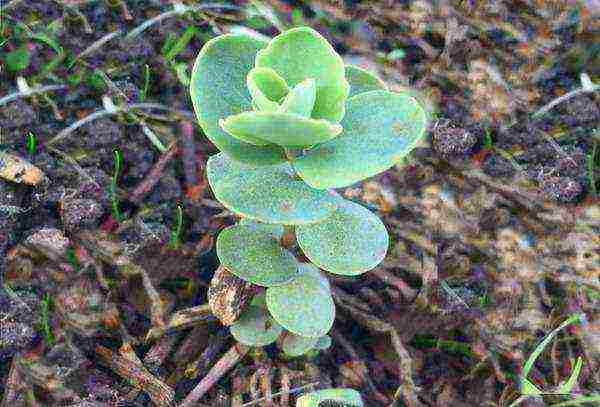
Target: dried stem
(151, 179)
(133, 371)
(228, 361)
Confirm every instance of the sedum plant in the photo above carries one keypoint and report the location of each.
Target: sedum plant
(293, 123)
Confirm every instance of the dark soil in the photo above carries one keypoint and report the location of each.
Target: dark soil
(495, 219)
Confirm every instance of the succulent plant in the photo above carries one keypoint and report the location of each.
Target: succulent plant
(292, 123)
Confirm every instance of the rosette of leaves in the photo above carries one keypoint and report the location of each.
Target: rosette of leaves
(293, 123)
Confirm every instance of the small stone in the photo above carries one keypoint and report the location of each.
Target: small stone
(16, 169)
(450, 141)
(228, 296)
(48, 242)
(80, 213)
(562, 189)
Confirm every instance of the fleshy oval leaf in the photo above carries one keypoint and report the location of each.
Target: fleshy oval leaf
(266, 88)
(302, 53)
(323, 343)
(218, 89)
(302, 306)
(255, 327)
(276, 231)
(345, 397)
(350, 242)
(284, 129)
(301, 99)
(295, 345)
(380, 128)
(269, 194)
(255, 256)
(362, 80)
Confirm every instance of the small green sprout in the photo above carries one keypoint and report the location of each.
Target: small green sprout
(32, 144)
(488, 143)
(113, 186)
(19, 59)
(293, 123)
(144, 91)
(46, 327)
(176, 233)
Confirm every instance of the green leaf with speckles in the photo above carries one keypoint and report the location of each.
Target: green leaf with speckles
(380, 128)
(350, 242)
(295, 345)
(285, 129)
(266, 88)
(302, 53)
(301, 99)
(255, 327)
(323, 343)
(218, 89)
(269, 194)
(362, 80)
(255, 256)
(276, 231)
(345, 397)
(303, 306)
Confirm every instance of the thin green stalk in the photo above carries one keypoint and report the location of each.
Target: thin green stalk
(176, 233)
(113, 186)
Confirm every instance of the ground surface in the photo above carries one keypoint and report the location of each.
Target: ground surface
(495, 220)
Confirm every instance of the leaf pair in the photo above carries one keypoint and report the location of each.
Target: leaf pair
(335, 234)
(303, 306)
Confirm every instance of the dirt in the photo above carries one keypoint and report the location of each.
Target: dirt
(494, 220)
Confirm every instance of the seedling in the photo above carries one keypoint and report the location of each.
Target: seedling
(293, 123)
(47, 328)
(113, 186)
(31, 144)
(176, 233)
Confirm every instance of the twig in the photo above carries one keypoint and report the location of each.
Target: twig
(151, 179)
(587, 87)
(181, 320)
(96, 45)
(30, 92)
(229, 360)
(160, 393)
(178, 9)
(104, 112)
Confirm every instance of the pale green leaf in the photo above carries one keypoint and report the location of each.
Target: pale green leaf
(266, 88)
(362, 80)
(303, 306)
(380, 128)
(255, 256)
(345, 397)
(295, 345)
(255, 327)
(350, 242)
(302, 53)
(218, 89)
(285, 129)
(269, 194)
(301, 99)
(276, 230)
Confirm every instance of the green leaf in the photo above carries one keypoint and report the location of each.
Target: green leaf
(218, 90)
(362, 80)
(303, 306)
(346, 397)
(349, 242)
(266, 88)
(276, 231)
(323, 343)
(255, 327)
(301, 99)
(380, 128)
(18, 59)
(255, 256)
(294, 345)
(268, 194)
(302, 53)
(285, 129)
